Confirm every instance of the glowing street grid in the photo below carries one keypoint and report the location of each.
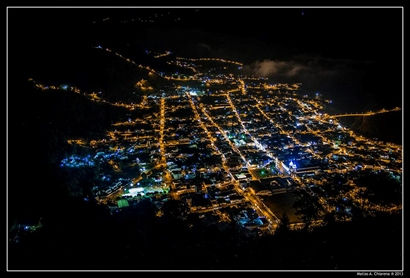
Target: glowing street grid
(234, 148)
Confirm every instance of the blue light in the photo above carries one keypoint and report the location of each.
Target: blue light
(292, 165)
(64, 87)
(76, 161)
(26, 228)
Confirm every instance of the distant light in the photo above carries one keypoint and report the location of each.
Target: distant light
(136, 190)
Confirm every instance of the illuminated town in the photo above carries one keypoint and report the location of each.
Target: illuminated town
(207, 144)
(230, 146)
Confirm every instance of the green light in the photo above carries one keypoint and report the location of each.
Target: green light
(122, 203)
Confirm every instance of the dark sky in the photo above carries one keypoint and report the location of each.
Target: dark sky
(355, 33)
(352, 55)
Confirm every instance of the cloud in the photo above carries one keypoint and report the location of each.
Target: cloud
(313, 71)
(268, 68)
(342, 80)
